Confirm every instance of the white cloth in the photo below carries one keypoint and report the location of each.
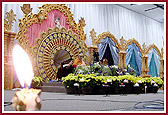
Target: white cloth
(107, 17)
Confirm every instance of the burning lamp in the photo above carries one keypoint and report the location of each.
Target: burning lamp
(26, 99)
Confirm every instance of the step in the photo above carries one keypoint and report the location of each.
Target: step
(56, 89)
(52, 84)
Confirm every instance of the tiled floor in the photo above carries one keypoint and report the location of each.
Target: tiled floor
(61, 102)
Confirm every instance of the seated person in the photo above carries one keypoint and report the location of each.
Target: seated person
(104, 61)
(64, 69)
(96, 57)
(79, 61)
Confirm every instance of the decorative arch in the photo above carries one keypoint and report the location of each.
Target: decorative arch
(155, 47)
(72, 39)
(29, 19)
(47, 45)
(130, 41)
(108, 34)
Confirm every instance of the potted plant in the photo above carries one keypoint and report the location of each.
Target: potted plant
(37, 82)
(100, 80)
(149, 83)
(88, 83)
(156, 83)
(69, 82)
(128, 81)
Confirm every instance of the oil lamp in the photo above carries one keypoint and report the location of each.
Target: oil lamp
(26, 99)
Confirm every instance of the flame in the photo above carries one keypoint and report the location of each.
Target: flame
(22, 66)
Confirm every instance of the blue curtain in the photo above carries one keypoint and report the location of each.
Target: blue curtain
(152, 67)
(133, 63)
(108, 56)
(113, 49)
(133, 57)
(153, 63)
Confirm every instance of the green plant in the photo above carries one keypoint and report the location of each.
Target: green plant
(37, 80)
(130, 78)
(69, 80)
(92, 68)
(93, 81)
(89, 81)
(158, 81)
(132, 71)
(102, 70)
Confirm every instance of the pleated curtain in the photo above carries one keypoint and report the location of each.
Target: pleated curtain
(103, 46)
(133, 57)
(153, 63)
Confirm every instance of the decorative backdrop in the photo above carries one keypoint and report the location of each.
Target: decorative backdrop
(107, 17)
(41, 36)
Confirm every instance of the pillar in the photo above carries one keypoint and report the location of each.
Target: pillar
(122, 60)
(162, 69)
(8, 63)
(5, 47)
(144, 67)
(91, 49)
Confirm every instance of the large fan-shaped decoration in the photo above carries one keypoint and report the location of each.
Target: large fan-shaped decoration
(54, 44)
(60, 56)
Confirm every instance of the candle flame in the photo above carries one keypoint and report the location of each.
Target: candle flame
(22, 66)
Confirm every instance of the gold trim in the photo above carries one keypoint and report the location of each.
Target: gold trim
(93, 35)
(130, 41)
(26, 8)
(91, 49)
(44, 50)
(122, 42)
(155, 47)
(30, 19)
(9, 20)
(107, 34)
(144, 67)
(33, 51)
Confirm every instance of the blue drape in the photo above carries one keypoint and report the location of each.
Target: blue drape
(153, 63)
(133, 63)
(108, 56)
(133, 57)
(103, 46)
(152, 67)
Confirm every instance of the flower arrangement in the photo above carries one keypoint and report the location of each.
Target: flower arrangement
(95, 75)
(94, 81)
(95, 68)
(132, 71)
(88, 81)
(149, 83)
(136, 85)
(104, 70)
(158, 81)
(70, 80)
